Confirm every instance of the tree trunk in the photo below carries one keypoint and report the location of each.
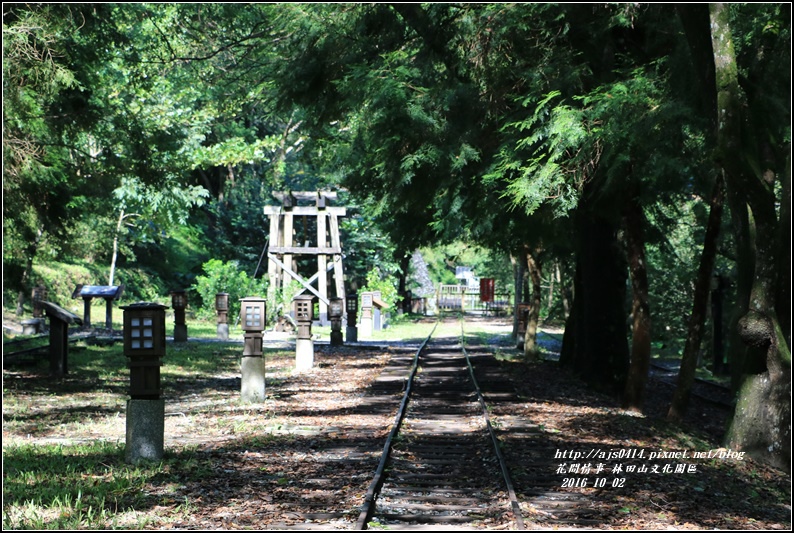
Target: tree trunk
(518, 278)
(402, 290)
(686, 374)
(783, 304)
(569, 351)
(634, 394)
(567, 294)
(599, 351)
(761, 424)
(115, 248)
(718, 335)
(26, 284)
(530, 337)
(552, 285)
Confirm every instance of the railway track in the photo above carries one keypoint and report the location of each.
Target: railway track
(442, 464)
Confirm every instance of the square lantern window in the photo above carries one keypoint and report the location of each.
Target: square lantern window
(351, 303)
(304, 308)
(366, 300)
(252, 313)
(335, 309)
(222, 301)
(144, 329)
(179, 299)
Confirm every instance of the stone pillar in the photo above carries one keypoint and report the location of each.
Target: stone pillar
(304, 346)
(222, 308)
(366, 315)
(253, 312)
(145, 430)
(252, 369)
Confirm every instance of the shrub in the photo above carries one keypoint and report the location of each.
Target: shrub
(226, 277)
(388, 291)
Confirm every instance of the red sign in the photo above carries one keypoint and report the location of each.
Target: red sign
(486, 289)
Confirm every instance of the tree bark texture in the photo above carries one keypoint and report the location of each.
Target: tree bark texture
(686, 374)
(115, 253)
(783, 304)
(530, 337)
(26, 283)
(598, 348)
(761, 423)
(519, 269)
(634, 394)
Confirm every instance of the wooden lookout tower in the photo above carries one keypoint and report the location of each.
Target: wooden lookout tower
(302, 236)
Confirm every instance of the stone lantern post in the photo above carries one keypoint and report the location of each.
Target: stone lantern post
(304, 347)
(252, 319)
(351, 307)
(335, 313)
(377, 318)
(144, 345)
(222, 308)
(179, 303)
(366, 315)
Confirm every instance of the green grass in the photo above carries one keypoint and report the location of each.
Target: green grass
(71, 487)
(83, 482)
(89, 486)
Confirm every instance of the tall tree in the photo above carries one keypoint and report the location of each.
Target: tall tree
(36, 189)
(697, 318)
(761, 423)
(750, 106)
(635, 223)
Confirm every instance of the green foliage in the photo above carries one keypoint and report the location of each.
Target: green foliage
(234, 151)
(36, 184)
(237, 227)
(283, 300)
(60, 280)
(537, 169)
(365, 248)
(377, 281)
(226, 277)
(166, 204)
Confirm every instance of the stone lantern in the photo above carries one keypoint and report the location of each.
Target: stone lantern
(304, 347)
(335, 313)
(144, 345)
(351, 307)
(366, 314)
(222, 308)
(253, 311)
(377, 318)
(179, 303)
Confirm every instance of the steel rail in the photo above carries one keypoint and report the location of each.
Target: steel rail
(368, 508)
(514, 504)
